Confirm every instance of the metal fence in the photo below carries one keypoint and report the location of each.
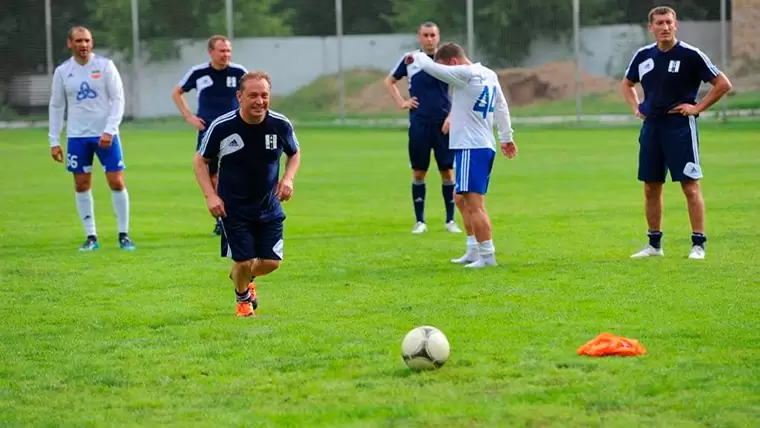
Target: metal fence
(556, 58)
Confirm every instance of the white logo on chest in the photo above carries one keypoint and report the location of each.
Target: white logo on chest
(231, 82)
(645, 67)
(674, 66)
(230, 145)
(203, 82)
(270, 141)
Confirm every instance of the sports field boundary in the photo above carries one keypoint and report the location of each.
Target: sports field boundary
(603, 119)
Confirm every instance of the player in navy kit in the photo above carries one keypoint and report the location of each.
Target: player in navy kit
(670, 73)
(216, 83)
(248, 144)
(429, 108)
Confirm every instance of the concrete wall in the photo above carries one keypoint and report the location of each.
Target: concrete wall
(296, 61)
(746, 29)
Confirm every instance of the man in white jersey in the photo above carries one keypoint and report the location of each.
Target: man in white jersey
(91, 87)
(477, 102)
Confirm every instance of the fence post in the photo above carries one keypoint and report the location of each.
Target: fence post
(339, 39)
(135, 92)
(724, 52)
(49, 38)
(470, 28)
(229, 15)
(577, 55)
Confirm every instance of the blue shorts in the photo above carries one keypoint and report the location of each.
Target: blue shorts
(669, 143)
(213, 163)
(473, 170)
(243, 239)
(427, 136)
(80, 152)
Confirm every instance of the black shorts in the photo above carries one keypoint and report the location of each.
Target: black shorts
(243, 239)
(427, 136)
(213, 163)
(669, 143)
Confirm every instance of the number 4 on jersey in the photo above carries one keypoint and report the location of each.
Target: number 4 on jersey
(484, 104)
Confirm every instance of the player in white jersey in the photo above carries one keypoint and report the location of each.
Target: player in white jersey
(91, 87)
(477, 103)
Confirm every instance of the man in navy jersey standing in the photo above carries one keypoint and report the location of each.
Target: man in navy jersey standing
(670, 73)
(215, 83)
(248, 144)
(429, 108)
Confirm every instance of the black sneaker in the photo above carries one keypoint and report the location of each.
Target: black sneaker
(90, 244)
(125, 243)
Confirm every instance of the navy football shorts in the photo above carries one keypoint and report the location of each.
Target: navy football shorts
(669, 143)
(243, 239)
(427, 136)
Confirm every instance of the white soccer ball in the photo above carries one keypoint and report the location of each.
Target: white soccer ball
(425, 348)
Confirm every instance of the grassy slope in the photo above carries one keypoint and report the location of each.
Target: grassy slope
(319, 100)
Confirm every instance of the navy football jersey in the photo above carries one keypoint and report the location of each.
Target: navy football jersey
(216, 88)
(249, 161)
(431, 93)
(669, 78)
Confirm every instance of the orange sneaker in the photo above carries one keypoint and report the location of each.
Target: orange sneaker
(244, 309)
(254, 300)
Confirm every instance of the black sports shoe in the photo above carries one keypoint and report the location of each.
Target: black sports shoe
(90, 244)
(125, 243)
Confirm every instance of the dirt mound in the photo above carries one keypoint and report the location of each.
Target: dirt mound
(374, 98)
(743, 75)
(523, 86)
(550, 82)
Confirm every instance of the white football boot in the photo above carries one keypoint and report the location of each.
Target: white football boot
(697, 253)
(470, 256)
(648, 251)
(420, 227)
(482, 262)
(452, 227)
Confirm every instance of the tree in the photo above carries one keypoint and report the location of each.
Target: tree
(317, 17)
(504, 29)
(163, 24)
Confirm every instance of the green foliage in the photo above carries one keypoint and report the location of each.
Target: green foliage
(317, 17)
(165, 23)
(504, 29)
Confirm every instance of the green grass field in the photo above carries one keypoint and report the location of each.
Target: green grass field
(150, 338)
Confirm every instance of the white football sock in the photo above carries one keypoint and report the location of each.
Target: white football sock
(486, 250)
(120, 199)
(86, 209)
(472, 243)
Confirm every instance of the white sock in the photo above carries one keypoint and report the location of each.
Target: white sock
(486, 249)
(120, 199)
(472, 243)
(86, 209)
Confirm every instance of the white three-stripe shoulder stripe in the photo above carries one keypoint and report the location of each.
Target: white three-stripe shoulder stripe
(284, 118)
(238, 66)
(223, 118)
(190, 73)
(280, 116)
(710, 66)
